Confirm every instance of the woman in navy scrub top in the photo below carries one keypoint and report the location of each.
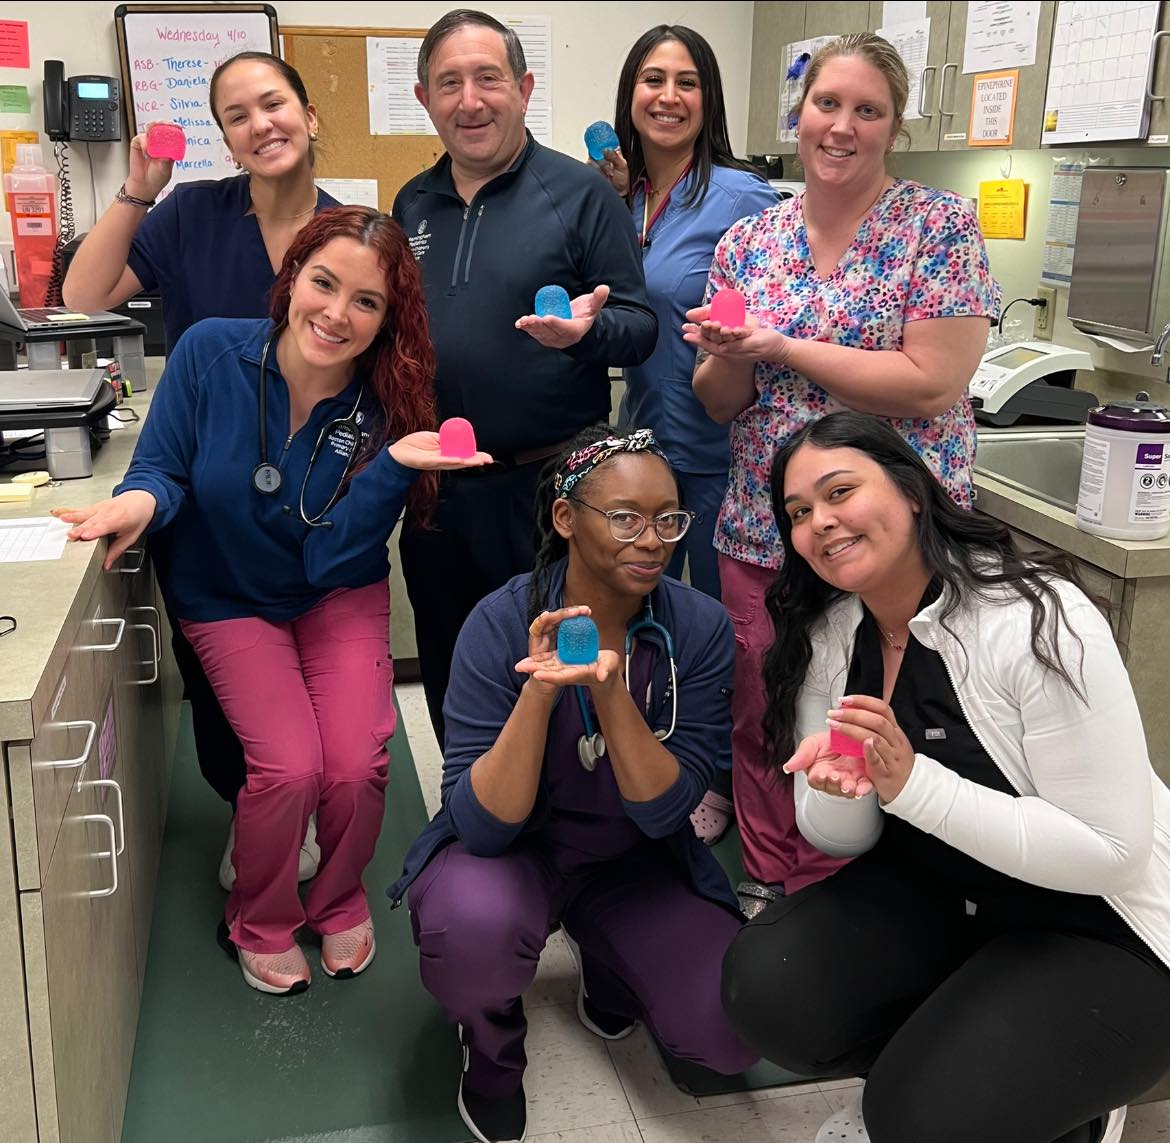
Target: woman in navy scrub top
(211, 249)
(996, 958)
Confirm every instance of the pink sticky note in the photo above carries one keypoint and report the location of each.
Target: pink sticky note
(166, 141)
(843, 744)
(728, 308)
(13, 43)
(456, 438)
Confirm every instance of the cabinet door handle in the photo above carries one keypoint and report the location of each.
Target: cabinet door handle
(922, 91)
(110, 784)
(153, 661)
(141, 554)
(120, 624)
(1150, 74)
(82, 758)
(111, 853)
(942, 88)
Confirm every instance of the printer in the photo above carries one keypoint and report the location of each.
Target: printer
(70, 406)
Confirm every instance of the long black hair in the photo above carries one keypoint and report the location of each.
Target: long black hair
(712, 145)
(969, 553)
(551, 546)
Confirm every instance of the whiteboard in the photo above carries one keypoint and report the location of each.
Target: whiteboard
(168, 55)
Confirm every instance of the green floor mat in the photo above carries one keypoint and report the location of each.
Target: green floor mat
(369, 1060)
(697, 1080)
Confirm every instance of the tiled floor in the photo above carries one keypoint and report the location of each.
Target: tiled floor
(581, 1090)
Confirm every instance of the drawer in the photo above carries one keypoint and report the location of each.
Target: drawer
(74, 736)
(82, 995)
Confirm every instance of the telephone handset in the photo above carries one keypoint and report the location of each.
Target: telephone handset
(85, 108)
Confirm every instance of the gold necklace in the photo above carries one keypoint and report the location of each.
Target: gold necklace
(888, 636)
(283, 217)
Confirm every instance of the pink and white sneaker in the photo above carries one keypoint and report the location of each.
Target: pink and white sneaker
(279, 974)
(347, 953)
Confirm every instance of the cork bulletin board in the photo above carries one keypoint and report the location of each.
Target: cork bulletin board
(332, 62)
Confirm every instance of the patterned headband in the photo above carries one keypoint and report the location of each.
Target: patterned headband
(581, 463)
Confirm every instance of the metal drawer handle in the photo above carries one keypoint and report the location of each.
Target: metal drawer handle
(942, 88)
(120, 624)
(141, 554)
(111, 853)
(83, 757)
(922, 91)
(1150, 75)
(153, 661)
(110, 784)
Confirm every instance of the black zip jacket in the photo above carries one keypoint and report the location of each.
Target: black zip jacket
(547, 220)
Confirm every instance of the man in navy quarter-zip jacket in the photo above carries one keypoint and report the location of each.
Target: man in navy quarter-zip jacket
(495, 219)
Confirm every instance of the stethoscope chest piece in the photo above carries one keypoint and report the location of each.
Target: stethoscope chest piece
(590, 748)
(266, 478)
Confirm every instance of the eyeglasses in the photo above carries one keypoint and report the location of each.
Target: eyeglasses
(626, 525)
(7, 625)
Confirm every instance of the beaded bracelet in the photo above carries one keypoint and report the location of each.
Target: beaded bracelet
(121, 196)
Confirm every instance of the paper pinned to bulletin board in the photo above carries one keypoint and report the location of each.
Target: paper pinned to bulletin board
(993, 109)
(1003, 207)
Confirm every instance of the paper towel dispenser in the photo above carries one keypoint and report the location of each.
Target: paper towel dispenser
(1119, 259)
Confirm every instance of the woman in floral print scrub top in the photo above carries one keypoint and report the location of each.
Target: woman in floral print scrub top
(866, 292)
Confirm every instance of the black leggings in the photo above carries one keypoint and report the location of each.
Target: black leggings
(967, 1031)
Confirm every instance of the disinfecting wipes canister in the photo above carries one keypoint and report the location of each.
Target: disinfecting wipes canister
(1125, 475)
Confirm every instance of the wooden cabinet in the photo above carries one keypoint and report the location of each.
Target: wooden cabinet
(88, 791)
(956, 89)
(944, 103)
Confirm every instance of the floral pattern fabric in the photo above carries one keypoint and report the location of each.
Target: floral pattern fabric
(918, 254)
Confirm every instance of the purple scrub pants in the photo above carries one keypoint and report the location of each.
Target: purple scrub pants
(652, 949)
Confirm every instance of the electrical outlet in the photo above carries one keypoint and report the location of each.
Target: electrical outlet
(1044, 317)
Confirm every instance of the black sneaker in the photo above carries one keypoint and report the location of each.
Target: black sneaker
(494, 1118)
(607, 1025)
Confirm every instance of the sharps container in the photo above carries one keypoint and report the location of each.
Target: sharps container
(1125, 475)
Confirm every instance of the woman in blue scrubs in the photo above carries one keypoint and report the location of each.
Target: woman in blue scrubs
(685, 190)
(211, 249)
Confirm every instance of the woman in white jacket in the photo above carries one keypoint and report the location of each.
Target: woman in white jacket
(996, 959)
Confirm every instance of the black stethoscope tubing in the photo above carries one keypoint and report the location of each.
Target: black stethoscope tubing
(591, 744)
(267, 477)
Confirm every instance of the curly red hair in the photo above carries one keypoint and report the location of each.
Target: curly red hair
(399, 365)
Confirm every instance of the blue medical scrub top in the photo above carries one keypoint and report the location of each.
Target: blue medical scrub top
(676, 261)
(204, 254)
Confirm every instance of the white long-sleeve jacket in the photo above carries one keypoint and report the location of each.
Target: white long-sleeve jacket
(1091, 816)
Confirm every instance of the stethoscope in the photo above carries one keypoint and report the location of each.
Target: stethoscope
(591, 744)
(267, 478)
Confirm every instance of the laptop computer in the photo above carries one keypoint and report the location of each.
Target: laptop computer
(53, 317)
(25, 389)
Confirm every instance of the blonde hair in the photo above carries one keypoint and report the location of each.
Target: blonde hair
(876, 51)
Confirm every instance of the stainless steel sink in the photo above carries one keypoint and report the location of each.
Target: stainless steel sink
(1042, 463)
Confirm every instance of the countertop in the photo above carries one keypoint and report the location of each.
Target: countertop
(42, 595)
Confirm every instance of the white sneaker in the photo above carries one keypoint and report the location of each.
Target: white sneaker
(845, 1124)
(1114, 1126)
(310, 856)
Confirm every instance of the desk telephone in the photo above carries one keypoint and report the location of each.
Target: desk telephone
(83, 108)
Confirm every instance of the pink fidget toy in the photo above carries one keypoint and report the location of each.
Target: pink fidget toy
(457, 438)
(166, 141)
(728, 308)
(844, 745)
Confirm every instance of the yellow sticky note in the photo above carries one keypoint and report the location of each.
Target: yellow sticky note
(8, 143)
(1003, 207)
(68, 317)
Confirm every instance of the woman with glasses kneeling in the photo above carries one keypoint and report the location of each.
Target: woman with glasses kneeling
(281, 454)
(567, 788)
(996, 960)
